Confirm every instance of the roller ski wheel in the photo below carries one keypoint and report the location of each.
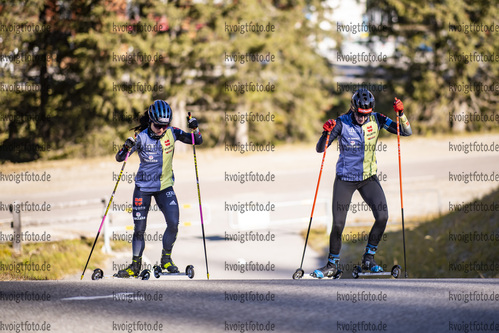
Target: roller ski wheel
(396, 270)
(189, 271)
(356, 271)
(298, 274)
(157, 271)
(97, 274)
(144, 275)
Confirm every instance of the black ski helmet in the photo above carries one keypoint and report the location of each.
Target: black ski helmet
(362, 101)
(160, 112)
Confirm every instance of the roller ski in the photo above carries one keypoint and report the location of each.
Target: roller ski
(330, 270)
(132, 271)
(168, 267)
(158, 272)
(369, 267)
(98, 274)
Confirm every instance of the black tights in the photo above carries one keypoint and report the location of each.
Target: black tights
(167, 203)
(372, 193)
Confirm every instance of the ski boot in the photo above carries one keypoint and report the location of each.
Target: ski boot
(368, 262)
(133, 270)
(330, 270)
(167, 263)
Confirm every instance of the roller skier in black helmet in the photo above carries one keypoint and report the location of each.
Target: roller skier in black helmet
(155, 146)
(357, 132)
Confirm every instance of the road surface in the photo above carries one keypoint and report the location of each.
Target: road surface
(381, 305)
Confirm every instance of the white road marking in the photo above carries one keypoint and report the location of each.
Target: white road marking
(90, 298)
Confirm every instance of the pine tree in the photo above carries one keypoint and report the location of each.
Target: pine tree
(434, 68)
(97, 62)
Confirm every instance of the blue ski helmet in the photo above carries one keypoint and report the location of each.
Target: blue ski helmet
(160, 112)
(362, 101)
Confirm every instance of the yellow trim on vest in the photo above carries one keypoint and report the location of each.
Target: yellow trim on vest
(371, 132)
(168, 146)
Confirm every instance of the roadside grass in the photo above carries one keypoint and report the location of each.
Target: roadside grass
(52, 260)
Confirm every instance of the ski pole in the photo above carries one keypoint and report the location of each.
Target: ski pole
(199, 198)
(299, 272)
(401, 196)
(105, 214)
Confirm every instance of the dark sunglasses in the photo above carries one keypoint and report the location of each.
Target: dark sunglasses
(361, 115)
(158, 126)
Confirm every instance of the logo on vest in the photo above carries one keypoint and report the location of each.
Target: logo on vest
(138, 217)
(151, 159)
(150, 147)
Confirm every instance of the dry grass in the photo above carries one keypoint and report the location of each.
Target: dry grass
(49, 260)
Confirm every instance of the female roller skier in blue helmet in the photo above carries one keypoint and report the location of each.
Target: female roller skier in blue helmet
(357, 132)
(155, 146)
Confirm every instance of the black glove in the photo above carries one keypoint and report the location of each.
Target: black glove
(193, 123)
(129, 143)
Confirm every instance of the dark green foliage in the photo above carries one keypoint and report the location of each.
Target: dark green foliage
(430, 72)
(94, 48)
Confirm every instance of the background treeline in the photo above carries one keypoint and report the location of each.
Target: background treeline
(64, 66)
(447, 60)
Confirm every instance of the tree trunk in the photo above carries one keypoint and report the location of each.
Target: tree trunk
(179, 120)
(458, 124)
(242, 129)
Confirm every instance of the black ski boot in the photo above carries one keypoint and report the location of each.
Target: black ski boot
(133, 270)
(330, 269)
(368, 262)
(167, 262)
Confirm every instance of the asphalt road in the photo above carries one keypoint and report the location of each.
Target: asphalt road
(178, 305)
